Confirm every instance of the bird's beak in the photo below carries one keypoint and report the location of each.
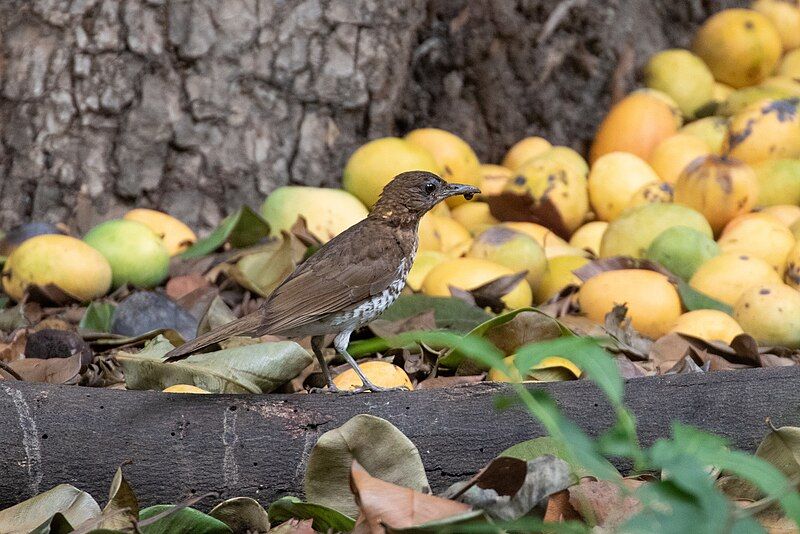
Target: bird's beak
(454, 190)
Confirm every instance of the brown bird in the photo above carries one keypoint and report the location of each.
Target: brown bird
(350, 280)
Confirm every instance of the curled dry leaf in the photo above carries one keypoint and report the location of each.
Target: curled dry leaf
(180, 286)
(627, 339)
(122, 509)
(375, 443)
(489, 295)
(616, 263)
(509, 488)
(13, 347)
(242, 515)
(294, 526)
(51, 371)
(508, 206)
(262, 270)
(559, 509)
(604, 503)
(382, 503)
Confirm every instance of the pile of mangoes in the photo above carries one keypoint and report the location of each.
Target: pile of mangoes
(698, 172)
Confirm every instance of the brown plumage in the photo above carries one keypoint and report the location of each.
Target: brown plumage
(350, 280)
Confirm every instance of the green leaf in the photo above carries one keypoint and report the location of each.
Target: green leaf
(695, 300)
(242, 514)
(98, 317)
(262, 271)
(184, 521)
(537, 447)
(258, 368)
(324, 518)
(450, 313)
(122, 509)
(241, 229)
(384, 451)
(75, 505)
(590, 357)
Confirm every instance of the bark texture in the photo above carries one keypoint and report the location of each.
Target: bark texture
(199, 106)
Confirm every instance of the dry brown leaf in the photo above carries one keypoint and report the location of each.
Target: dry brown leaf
(616, 263)
(385, 503)
(449, 381)
(559, 509)
(52, 371)
(180, 286)
(489, 295)
(508, 206)
(13, 347)
(629, 369)
(386, 329)
(294, 526)
(602, 502)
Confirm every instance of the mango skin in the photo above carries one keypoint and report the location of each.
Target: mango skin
(176, 235)
(67, 262)
(558, 276)
(683, 76)
(374, 164)
(515, 250)
(653, 302)
(719, 188)
(524, 150)
(760, 235)
(614, 179)
(469, 273)
(710, 325)
(380, 373)
(771, 314)
(632, 233)
(328, 212)
(682, 250)
(136, 254)
(778, 182)
(768, 129)
(727, 276)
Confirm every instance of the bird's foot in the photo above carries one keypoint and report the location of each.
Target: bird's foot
(328, 389)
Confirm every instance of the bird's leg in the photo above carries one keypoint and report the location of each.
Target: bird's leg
(340, 343)
(316, 346)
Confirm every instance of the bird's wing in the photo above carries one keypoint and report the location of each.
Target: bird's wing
(348, 270)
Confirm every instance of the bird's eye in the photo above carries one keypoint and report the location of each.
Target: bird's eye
(430, 187)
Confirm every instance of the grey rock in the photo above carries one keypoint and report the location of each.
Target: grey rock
(145, 311)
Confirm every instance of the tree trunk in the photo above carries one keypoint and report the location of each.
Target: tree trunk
(196, 107)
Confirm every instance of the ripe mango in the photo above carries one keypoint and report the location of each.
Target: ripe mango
(759, 235)
(683, 76)
(613, 180)
(69, 263)
(719, 188)
(443, 234)
(769, 129)
(558, 276)
(712, 130)
(512, 249)
(328, 212)
(653, 302)
(380, 373)
(524, 150)
(778, 181)
(589, 236)
(740, 46)
(633, 232)
(771, 314)
(710, 325)
(375, 163)
(727, 276)
(675, 153)
(176, 235)
(469, 273)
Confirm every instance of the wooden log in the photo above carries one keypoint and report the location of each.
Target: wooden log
(257, 445)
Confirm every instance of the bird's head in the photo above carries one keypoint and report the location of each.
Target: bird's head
(412, 194)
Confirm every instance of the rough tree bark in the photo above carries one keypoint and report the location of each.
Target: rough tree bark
(199, 106)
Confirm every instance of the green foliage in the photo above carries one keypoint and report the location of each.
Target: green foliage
(241, 229)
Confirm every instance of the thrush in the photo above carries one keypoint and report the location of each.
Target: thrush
(350, 280)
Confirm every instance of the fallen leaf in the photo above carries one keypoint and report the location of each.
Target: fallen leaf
(379, 446)
(98, 317)
(626, 338)
(258, 368)
(13, 318)
(242, 515)
(383, 503)
(13, 348)
(559, 509)
(75, 505)
(49, 294)
(508, 206)
(781, 448)
(241, 229)
(198, 301)
(49, 343)
(603, 503)
(449, 381)
(180, 286)
(145, 311)
(616, 263)
(183, 521)
(629, 369)
(217, 314)
(122, 509)
(489, 295)
(450, 313)
(294, 526)
(265, 269)
(509, 488)
(425, 320)
(324, 519)
(548, 446)
(300, 231)
(52, 371)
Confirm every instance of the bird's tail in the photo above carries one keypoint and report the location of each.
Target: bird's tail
(246, 325)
